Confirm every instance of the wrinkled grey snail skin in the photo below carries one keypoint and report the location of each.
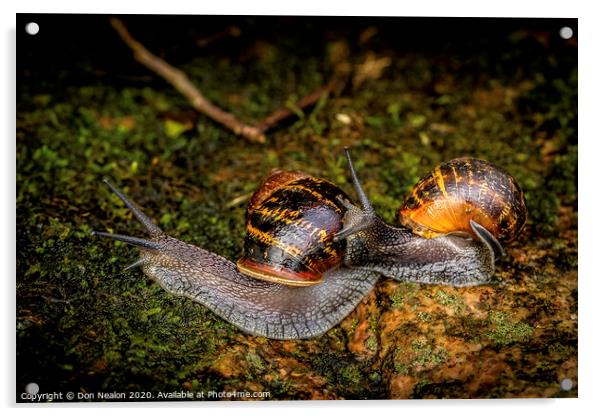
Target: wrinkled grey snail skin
(452, 259)
(281, 311)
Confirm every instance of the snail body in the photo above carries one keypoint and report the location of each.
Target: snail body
(310, 255)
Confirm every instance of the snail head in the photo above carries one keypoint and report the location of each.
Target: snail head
(356, 218)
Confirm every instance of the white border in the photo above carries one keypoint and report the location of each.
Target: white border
(590, 127)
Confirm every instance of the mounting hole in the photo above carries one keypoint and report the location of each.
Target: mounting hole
(566, 384)
(32, 28)
(566, 32)
(32, 388)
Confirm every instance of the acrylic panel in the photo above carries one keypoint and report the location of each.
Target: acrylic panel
(449, 270)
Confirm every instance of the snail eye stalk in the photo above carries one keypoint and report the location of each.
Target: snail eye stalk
(355, 219)
(150, 226)
(364, 201)
(487, 238)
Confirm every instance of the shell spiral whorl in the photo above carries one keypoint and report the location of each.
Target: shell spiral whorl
(465, 189)
(291, 221)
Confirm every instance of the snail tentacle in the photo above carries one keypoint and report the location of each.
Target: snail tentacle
(140, 242)
(364, 200)
(150, 226)
(255, 306)
(140, 262)
(487, 238)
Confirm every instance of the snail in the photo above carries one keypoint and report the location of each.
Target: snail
(258, 307)
(453, 224)
(310, 255)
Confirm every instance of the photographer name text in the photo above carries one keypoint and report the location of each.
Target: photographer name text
(136, 396)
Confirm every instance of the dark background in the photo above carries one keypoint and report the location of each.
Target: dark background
(72, 49)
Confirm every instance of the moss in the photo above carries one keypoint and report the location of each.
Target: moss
(426, 354)
(430, 390)
(343, 372)
(404, 294)
(256, 362)
(420, 356)
(563, 176)
(506, 331)
(351, 376)
(352, 326)
(450, 300)
(372, 343)
(424, 316)
(562, 352)
(468, 328)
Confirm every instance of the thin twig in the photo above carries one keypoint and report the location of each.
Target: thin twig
(181, 82)
(230, 31)
(283, 113)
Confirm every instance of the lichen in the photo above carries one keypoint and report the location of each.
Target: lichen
(506, 330)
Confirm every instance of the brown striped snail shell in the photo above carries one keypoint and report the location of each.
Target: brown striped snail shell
(290, 222)
(461, 190)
